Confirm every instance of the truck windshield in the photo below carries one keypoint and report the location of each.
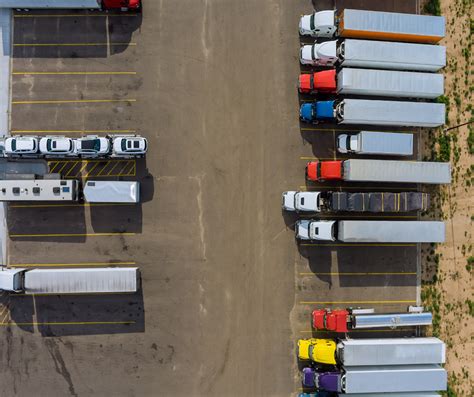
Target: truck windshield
(311, 22)
(13, 144)
(313, 55)
(318, 170)
(348, 142)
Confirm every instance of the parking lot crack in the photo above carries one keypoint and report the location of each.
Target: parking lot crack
(202, 233)
(60, 365)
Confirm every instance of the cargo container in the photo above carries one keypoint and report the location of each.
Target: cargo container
(371, 231)
(112, 192)
(373, 82)
(372, 142)
(310, 201)
(376, 25)
(345, 320)
(374, 112)
(71, 4)
(355, 170)
(390, 351)
(398, 378)
(39, 190)
(375, 55)
(70, 281)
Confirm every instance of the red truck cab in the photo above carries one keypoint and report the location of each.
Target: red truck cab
(330, 320)
(319, 82)
(324, 170)
(122, 4)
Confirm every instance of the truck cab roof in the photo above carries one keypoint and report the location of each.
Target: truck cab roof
(325, 110)
(307, 201)
(322, 230)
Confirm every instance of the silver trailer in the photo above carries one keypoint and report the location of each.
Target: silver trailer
(112, 192)
(51, 4)
(391, 231)
(389, 83)
(391, 26)
(396, 171)
(416, 394)
(388, 55)
(391, 320)
(401, 378)
(391, 113)
(81, 281)
(391, 351)
(39, 190)
(372, 142)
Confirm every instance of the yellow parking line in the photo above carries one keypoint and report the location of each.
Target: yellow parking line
(71, 15)
(121, 172)
(72, 73)
(358, 245)
(70, 170)
(115, 165)
(56, 163)
(359, 274)
(68, 205)
(92, 169)
(72, 235)
(64, 165)
(71, 44)
(73, 131)
(64, 322)
(72, 101)
(354, 302)
(72, 264)
(82, 169)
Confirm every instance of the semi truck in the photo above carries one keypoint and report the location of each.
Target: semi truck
(375, 55)
(344, 320)
(374, 25)
(390, 351)
(72, 4)
(364, 170)
(374, 112)
(370, 231)
(69, 191)
(70, 281)
(373, 142)
(310, 201)
(373, 82)
(378, 379)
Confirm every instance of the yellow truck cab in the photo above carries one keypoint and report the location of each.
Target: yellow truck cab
(323, 352)
(319, 350)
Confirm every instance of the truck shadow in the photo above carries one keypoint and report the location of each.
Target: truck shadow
(62, 315)
(368, 266)
(73, 36)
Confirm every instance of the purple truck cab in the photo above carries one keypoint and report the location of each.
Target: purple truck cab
(328, 381)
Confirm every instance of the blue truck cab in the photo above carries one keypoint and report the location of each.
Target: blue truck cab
(314, 112)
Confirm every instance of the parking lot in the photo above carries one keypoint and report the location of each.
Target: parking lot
(226, 292)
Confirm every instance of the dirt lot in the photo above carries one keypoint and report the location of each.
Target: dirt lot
(226, 291)
(447, 276)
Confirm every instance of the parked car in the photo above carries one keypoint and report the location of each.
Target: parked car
(21, 145)
(129, 146)
(92, 146)
(57, 146)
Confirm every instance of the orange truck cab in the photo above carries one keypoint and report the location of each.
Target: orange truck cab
(330, 320)
(319, 82)
(324, 171)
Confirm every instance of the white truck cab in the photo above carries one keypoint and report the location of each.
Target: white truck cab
(319, 24)
(322, 54)
(307, 229)
(301, 201)
(347, 143)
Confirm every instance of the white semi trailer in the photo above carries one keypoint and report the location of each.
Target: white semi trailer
(70, 281)
(375, 54)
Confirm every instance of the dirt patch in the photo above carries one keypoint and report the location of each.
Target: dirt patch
(448, 268)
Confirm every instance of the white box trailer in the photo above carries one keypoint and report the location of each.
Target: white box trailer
(389, 55)
(70, 281)
(389, 83)
(400, 378)
(112, 192)
(51, 4)
(391, 231)
(39, 190)
(390, 113)
(407, 394)
(373, 142)
(391, 351)
(362, 170)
